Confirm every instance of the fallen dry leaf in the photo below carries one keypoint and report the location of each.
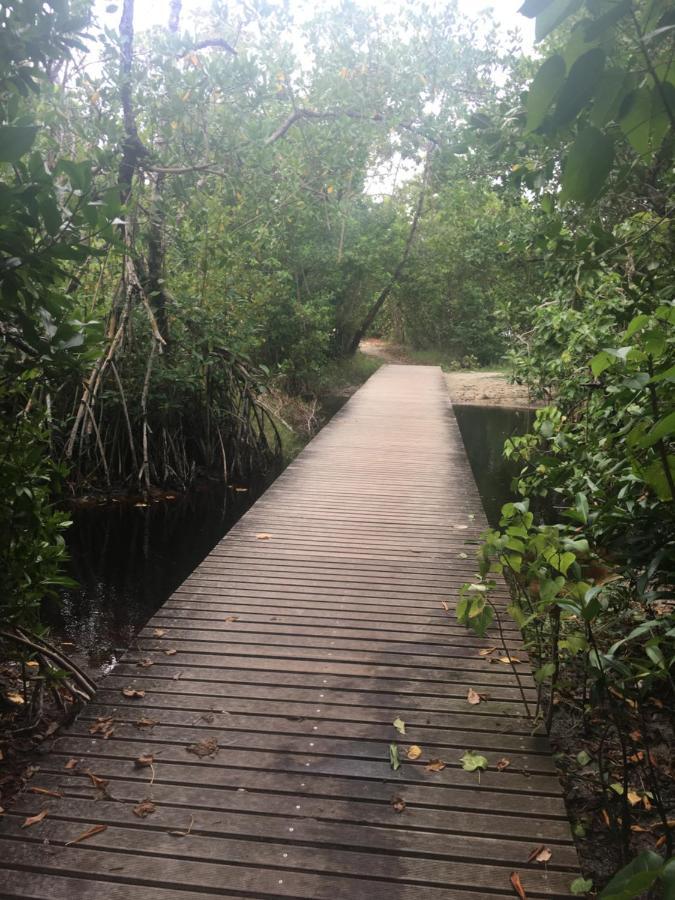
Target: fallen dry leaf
(633, 798)
(640, 829)
(141, 762)
(145, 663)
(90, 832)
(100, 783)
(145, 722)
(15, 698)
(103, 725)
(661, 841)
(605, 818)
(231, 619)
(171, 651)
(445, 606)
(414, 752)
(159, 632)
(207, 747)
(34, 820)
(263, 536)
(45, 791)
(507, 660)
(473, 697)
(486, 651)
(71, 764)
(133, 693)
(502, 764)
(434, 765)
(144, 808)
(517, 885)
(398, 804)
(540, 854)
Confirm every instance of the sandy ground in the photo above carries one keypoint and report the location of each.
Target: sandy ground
(480, 388)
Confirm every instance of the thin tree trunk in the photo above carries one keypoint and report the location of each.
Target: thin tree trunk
(174, 15)
(372, 313)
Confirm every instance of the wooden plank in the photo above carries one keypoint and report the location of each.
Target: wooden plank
(293, 655)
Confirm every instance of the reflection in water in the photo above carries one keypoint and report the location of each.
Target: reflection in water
(129, 558)
(484, 430)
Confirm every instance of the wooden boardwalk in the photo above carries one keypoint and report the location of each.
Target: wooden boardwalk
(277, 670)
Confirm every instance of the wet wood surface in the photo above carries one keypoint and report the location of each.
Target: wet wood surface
(267, 687)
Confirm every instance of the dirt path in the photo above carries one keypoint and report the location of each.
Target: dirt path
(477, 388)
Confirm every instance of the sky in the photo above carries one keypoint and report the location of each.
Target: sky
(154, 12)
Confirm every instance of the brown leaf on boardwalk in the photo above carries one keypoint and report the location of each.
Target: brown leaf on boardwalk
(398, 804)
(35, 820)
(207, 747)
(486, 651)
(517, 885)
(90, 832)
(434, 765)
(159, 632)
(414, 752)
(103, 725)
(540, 854)
(71, 764)
(133, 693)
(45, 791)
(100, 783)
(473, 697)
(502, 764)
(171, 651)
(231, 619)
(444, 604)
(145, 722)
(263, 536)
(142, 762)
(144, 808)
(507, 660)
(145, 663)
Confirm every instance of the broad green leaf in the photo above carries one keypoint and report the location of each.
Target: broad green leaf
(553, 15)
(472, 761)
(581, 885)
(532, 8)
(583, 757)
(579, 86)
(587, 166)
(543, 90)
(15, 141)
(634, 878)
(601, 361)
(599, 27)
(644, 118)
(609, 95)
(637, 324)
(544, 672)
(655, 476)
(663, 428)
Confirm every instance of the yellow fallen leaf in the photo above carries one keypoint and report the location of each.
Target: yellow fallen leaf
(399, 725)
(32, 664)
(414, 752)
(159, 632)
(34, 820)
(90, 832)
(171, 651)
(263, 536)
(633, 798)
(487, 651)
(15, 698)
(133, 693)
(445, 606)
(507, 660)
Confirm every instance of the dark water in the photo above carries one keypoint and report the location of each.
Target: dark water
(129, 558)
(484, 430)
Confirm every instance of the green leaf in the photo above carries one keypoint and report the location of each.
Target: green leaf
(399, 725)
(634, 878)
(644, 118)
(663, 428)
(579, 86)
(472, 761)
(637, 324)
(614, 14)
(553, 15)
(609, 95)
(581, 886)
(394, 761)
(601, 361)
(543, 90)
(583, 758)
(588, 165)
(15, 141)
(668, 878)
(544, 672)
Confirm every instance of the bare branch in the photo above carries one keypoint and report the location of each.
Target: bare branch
(218, 43)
